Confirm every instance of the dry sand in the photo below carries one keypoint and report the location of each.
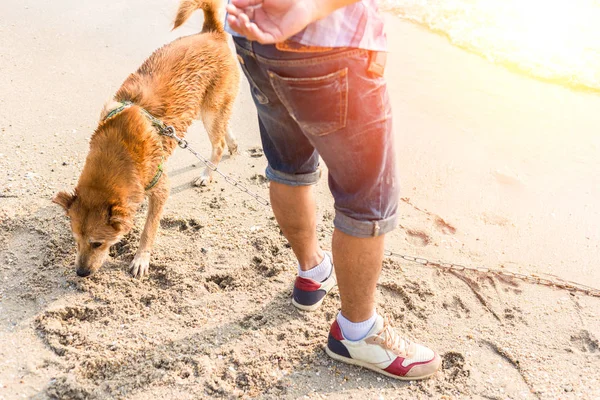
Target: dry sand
(509, 164)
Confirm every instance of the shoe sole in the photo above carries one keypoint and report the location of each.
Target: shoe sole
(308, 308)
(363, 364)
(315, 306)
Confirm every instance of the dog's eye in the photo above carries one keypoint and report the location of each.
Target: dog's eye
(95, 245)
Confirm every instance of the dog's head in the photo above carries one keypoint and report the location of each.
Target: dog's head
(96, 225)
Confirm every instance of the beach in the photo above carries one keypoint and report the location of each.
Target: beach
(499, 170)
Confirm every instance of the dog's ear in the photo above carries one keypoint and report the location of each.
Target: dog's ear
(119, 217)
(65, 199)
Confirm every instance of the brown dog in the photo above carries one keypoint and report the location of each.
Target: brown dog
(191, 77)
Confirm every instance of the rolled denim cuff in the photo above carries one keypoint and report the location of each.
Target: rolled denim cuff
(307, 179)
(364, 229)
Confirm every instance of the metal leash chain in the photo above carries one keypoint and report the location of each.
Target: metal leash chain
(170, 132)
(550, 281)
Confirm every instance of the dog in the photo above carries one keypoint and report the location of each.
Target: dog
(191, 77)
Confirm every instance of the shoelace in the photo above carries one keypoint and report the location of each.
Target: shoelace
(391, 340)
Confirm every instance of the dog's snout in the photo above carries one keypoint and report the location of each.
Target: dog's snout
(83, 272)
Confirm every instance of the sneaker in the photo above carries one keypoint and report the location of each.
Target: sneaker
(384, 351)
(308, 294)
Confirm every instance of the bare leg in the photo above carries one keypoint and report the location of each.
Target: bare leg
(357, 261)
(357, 266)
(295, 210)
(141, 262)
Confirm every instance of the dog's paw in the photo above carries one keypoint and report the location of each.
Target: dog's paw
(202, 180)
(140, 265)
(233, 149)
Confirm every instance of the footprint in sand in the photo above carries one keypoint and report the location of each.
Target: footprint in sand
(255, 152)
(180, 224)
(440, 224)
(585, 342)
(417, 238)
(453, 365)
(222, 282)
(458, 307)
(444, 226)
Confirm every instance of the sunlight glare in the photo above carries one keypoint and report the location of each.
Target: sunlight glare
(558, 40)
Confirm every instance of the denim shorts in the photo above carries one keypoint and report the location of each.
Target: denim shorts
(324, 103)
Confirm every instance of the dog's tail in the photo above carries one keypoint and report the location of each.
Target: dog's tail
(212, 22)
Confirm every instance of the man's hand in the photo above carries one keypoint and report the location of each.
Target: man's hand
(270, 21)
(273, 21)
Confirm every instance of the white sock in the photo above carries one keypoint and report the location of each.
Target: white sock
(355, 330)
(319, 272)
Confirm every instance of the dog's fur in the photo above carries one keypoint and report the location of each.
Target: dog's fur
(194, 76)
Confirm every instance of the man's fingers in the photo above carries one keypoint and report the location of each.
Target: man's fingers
(243, 28)
(259, 35)
(243, 16)
(246, 3)
(244, 19)
(232, 20)
(250, 13)
(241, 22)
(250, 34)
(233, 10)
(237, 25)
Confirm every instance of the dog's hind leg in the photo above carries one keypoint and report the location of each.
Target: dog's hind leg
(156, 201)
(216, 126)
(231, 142)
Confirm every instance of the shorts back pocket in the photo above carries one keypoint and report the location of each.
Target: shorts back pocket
(319, 104)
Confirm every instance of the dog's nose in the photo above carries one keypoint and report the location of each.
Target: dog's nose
(83, 272)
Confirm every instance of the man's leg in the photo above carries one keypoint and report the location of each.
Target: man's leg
(295, 210)
(357, 260)
(357, 266)
(292, 170)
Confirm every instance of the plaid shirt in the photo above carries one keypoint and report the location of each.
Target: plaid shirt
(359, 25)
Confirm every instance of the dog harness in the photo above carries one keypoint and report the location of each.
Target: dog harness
(156, 122)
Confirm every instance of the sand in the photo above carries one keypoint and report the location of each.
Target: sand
(498, 170)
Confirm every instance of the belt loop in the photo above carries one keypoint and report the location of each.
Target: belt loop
(377, 61)
(376, 229)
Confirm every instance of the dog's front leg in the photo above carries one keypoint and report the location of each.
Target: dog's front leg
(156, 201)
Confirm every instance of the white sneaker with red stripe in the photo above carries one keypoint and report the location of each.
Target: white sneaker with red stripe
(308, 294)
(384, 351)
